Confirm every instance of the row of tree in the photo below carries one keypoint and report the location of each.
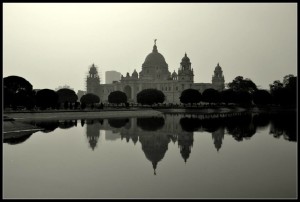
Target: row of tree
(18, 92)
(244, 92)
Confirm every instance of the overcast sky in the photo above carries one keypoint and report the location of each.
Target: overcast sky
(51, 45)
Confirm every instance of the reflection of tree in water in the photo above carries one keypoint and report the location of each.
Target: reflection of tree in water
(240, 127)
(20, 138)
(67, 124)
(284, 124)
(190, 124)
(118, 123)
(211, 125)
(261, 120)
(151, 123)
(48, 126)
(154, 145)
(92, 132)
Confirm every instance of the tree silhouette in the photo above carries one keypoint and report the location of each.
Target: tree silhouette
(241, 84)
(276, 85)
(262, 97)
(150, 96)
(290, 84)
(117, 97)
(17, 91)
(211, 95)
(89, 99)
(66, 95)
(285, 93)
(228, 96)
(244, 98)
(46, 98)
(190, 96)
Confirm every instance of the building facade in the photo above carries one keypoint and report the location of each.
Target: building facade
(155, 74)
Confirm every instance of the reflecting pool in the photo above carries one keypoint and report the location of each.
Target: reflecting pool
(174, 156)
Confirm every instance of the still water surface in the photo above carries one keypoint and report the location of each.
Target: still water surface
(175, 156)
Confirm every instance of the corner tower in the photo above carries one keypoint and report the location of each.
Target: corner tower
(185, 72)
(218, 80)
(93, 81)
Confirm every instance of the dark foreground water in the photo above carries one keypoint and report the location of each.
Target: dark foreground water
(176, 156)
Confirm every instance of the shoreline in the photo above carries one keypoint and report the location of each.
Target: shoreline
(133, 112)
(62, 115)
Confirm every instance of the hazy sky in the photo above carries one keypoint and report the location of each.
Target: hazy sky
(54, 44)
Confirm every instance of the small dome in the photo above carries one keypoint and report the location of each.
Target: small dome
(93, 70)
(218, 68)
(174, 74)
(135, 74)
(185, 59)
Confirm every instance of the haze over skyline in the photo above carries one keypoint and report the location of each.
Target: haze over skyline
(53, 44)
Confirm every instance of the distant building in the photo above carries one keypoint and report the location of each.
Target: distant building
(65, 86)
(112, 77)
(80, 93)
(154, 74)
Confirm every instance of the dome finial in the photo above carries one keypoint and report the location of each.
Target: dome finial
(185, 54)
(154, 167)
(154, 47)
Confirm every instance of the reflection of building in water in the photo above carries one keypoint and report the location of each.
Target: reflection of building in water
(185, 143)
(111, 135)
(154, 146)
(218, 137)
(154, 135)
(93, 132)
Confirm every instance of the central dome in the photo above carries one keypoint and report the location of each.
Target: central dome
(155, 59)
(155, 67)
